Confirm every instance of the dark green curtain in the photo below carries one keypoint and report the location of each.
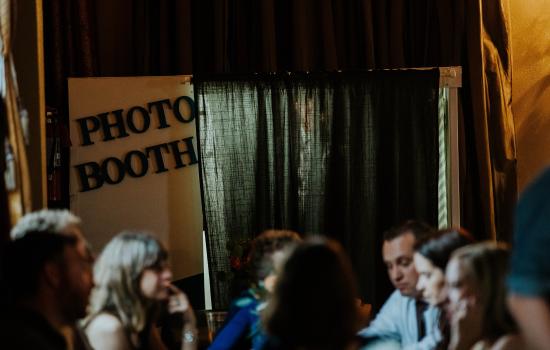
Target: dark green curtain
(330, 35)
(341, 154)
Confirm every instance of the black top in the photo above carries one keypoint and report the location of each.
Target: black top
(26, 329)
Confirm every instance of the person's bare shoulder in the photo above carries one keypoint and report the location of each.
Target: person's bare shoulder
(509, 342)
(105, 331)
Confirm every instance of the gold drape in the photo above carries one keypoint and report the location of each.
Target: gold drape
(490, 77)
(19, 194)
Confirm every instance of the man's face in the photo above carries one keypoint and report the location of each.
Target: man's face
(81, 244)
(77, 282)
(398, 256)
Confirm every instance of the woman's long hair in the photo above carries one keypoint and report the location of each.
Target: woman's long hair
(313, 305)
(439, 246)
(117, 275)
(486, 266)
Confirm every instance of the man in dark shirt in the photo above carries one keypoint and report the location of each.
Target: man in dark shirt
(49, 281)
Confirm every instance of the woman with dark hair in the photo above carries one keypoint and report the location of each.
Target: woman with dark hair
(430, 260)
(313, 305)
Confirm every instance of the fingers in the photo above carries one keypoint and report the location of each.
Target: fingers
(459, 311)
(173, 289)
(177, 301)
(466, 311)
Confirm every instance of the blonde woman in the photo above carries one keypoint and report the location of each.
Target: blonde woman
(132, 286)
(477, 299)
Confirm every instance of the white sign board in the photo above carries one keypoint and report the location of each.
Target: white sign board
(134, 163)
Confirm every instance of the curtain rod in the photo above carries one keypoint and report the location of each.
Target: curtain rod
(448, 76)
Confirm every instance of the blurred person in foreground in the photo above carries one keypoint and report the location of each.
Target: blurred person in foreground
(59, 222)
(132, 289)
(529, 278)
(476, 290)
(313, 305)
(49, 283)
(242, 328)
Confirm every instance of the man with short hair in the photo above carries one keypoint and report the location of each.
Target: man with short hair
(60, 221)
(48, 273)
(45, 275)
(404, 317)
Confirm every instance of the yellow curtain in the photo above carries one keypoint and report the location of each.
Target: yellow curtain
(489, 59)
(17, 171)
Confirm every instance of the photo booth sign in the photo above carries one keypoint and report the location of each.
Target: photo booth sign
(134, 162)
